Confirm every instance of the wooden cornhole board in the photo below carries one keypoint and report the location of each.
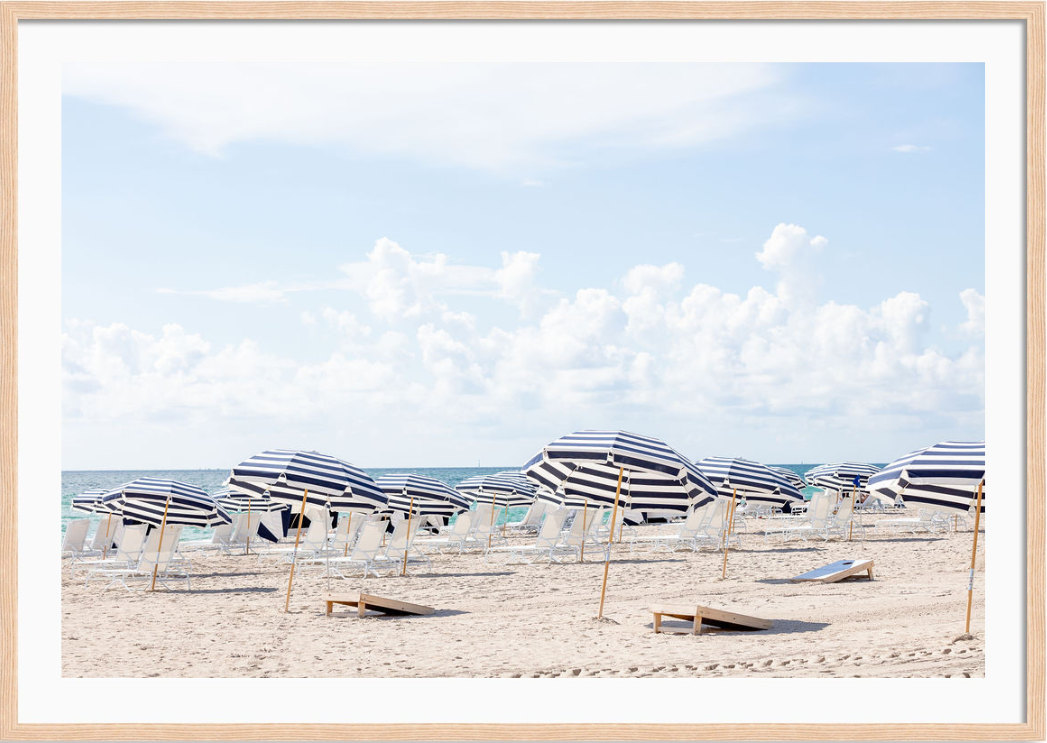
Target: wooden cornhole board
(837, 571)
(705, 615)
(364, 601)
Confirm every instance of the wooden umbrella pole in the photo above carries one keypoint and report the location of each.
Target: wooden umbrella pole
(727, 541)
(160, 544)
(348, 534)
(490, 526)
(974, 554)
(854, 499)
(108, 536)
(610, 536)
(585, 526)
(247, 545)
(294, 555)
(407, 537)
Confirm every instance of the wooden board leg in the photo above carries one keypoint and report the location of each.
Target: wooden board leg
(361, 609)
(870, 572)
(697, 628)
(330, 607)
(657, 623)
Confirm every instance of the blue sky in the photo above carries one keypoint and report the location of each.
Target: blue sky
(254, 259)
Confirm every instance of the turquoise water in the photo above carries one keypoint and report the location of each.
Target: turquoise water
(75, 482)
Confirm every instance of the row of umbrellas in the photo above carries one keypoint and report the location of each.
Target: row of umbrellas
(582, 469)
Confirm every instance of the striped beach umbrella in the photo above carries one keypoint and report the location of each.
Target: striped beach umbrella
(235, 500)
(619, 452)
(90, 501)
(842, 476)
(794, 477)
(943, 476)
(758, 483)
(162, 502)
(508, 489)
(418, 495)
(300, 479)
(949, 475)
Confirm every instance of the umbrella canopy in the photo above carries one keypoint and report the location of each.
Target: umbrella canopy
(419, 495)
(326, 481)
(945, 475)
(583, 467)
(148, 498)
(502, 488)
(758, 483)
(239, 500)
(90, 501)
(841, 475)
(794, 477)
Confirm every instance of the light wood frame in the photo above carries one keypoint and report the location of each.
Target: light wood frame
(1031, 13)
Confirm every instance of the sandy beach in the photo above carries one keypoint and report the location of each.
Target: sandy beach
(539, 620)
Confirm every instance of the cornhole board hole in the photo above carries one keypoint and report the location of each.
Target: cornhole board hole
(364, 601)
(837, 571)
(700, 615)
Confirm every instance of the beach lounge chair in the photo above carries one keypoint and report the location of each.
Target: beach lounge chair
(349, 525)
(620, 527)
(532, 520)
(818, 522)
(544, 544)
(485, 529)
(582, 533)
(245, 531)
(129, 544)
(924, 520)
(219, 540)
(700, 528)
(163, 557)
(402, 541)
(459, 538)
(366, 555)
(75, 538)
(312, 544)
(105, 532)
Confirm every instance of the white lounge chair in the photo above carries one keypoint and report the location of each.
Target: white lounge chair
(219, 540)
(105, 532)
(349, 525)
(75, 538)
(459, 538)
(163, 557)
(129, 543)
(532, 520)
(245, 531)
(818, 522)
(402, 541)
(366, 555)
(545, 544)
(701, 528)
(925, 520)
(312, 544)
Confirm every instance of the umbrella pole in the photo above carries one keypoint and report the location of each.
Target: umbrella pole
(163, 523)
(585, 526)
(247, 546)
(854, 499)
(348, 534)
(108, 536)
(610, 537)
(407, 543)
(974, 554)
(294, 555)
(490, 527)
(727, 539)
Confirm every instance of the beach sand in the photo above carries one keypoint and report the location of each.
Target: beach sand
(539, 620)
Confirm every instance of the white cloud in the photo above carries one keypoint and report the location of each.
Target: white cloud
(974, 303)
(909, 149)
(790, 252)
(490, 116)
(688, 355)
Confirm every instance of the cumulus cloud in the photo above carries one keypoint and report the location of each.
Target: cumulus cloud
(651, 342)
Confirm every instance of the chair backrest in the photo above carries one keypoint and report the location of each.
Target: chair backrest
(370, 542)
(75, 535)
(583, 521)
(463, 524)
(596, 521)
(129, 545)
(221, 533)
(398, 539)
(159, 554)
(315, 537)
(845, 513)
(105, 532)
(821, 509)
(349, 525)
(535, 513)
(549, 534)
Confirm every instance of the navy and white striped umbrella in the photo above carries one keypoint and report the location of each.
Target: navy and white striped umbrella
(501, 489)
(146, 499)
(90, 501)
(239, 501)
(421, 496)
(840, 475)
(582, 469)
(945, 475)
(794, 477)
(758, 483)
(285, 474)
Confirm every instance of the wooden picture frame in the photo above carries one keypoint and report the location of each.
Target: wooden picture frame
(1030, 13)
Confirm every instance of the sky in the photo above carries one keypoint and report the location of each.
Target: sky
(445, 264)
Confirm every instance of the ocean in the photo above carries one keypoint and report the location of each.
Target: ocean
(77, 481)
